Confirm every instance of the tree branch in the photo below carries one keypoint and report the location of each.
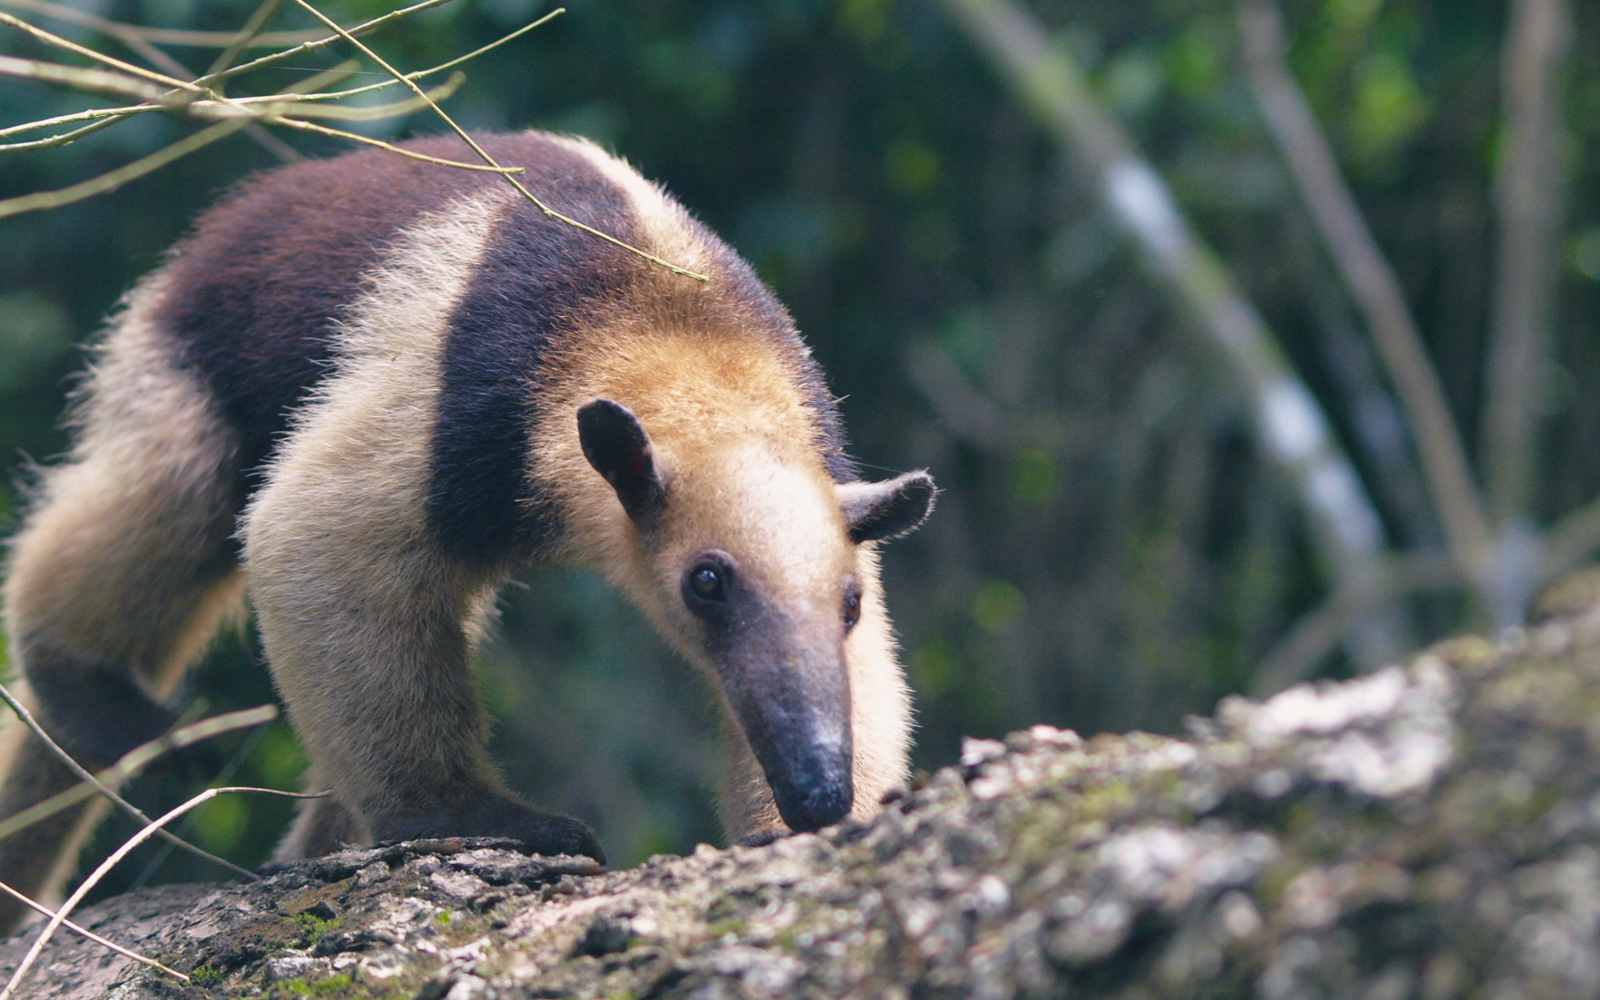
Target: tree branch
(1371, 281)
(1290, 426)
(1573, 540)
(1529, 186)
(1316, 634)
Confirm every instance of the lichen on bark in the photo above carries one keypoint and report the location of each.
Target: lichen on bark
(1431, 830)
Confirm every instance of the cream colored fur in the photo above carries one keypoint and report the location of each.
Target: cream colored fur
(356, 604)
(124, 555)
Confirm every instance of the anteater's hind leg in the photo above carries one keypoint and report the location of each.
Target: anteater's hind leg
(120, 573)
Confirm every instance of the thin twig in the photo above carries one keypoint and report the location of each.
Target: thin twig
(126, 34)
(258, 19)
(113, 179)
(109, 863)
(159, 36)
(1372, 282)
(50, 38)
(299, 99)
(84, 775)
(177, 71)
(97, 81)
(110, 116)
(304, 107)
(303, 126)
(57, 141)
(333, 95)
(546, 209)
(136, 760)
(133, 38)
(320, 43)
(40, 908)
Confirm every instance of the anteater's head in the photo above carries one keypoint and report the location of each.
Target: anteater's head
(754, 562)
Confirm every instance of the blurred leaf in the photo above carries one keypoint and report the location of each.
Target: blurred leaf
(998, 607)
(35, 335)
(936, 667)
(912, 168)
(1036, 477)
(1132, 81)
(1388, 105)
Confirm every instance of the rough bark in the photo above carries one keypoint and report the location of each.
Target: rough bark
(1428, 831)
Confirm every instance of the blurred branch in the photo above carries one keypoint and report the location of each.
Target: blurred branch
(1289, 424)
(970, 415)
(1572, 540)
(49, 38)
(129, 34)
(320, 43)
(1529, 189)
(136, 760)
(155, 57)
(152, 828)
(122, 803)
(1315, 635)
(1372, 282)
(94, 81)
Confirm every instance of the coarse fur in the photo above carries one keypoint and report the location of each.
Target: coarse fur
(370, 389)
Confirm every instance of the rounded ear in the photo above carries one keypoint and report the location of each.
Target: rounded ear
(619, 450)
(894, 507)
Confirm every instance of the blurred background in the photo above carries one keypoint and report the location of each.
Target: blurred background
(1134, 522)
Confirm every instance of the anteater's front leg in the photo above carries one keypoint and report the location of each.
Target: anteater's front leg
(369, 630)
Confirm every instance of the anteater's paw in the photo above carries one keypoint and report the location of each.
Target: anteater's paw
(495, 815)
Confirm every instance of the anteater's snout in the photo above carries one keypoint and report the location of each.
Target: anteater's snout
(820, 795)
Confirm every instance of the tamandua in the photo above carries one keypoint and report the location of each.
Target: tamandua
(366, 390)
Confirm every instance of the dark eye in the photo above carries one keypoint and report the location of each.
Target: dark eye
(707, 582)
(852, 608)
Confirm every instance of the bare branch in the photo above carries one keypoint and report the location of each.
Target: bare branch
(1572, 540)
(1372, 282)
(95, 81)
(113, 179)
(154, 828)
(100, 57)
(40, 908)
(458, 130)
(264, 12)
(1529, 190)
(135, 761)
(333, 95)
(1288, 423)
(160, 36)
(84, 775)
(320, 43)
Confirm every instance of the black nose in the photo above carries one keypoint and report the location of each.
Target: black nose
(812, 805)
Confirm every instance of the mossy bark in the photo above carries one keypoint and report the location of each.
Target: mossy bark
(1428, 831)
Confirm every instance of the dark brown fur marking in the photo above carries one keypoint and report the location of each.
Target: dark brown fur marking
(253, 293)
(538, 281)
